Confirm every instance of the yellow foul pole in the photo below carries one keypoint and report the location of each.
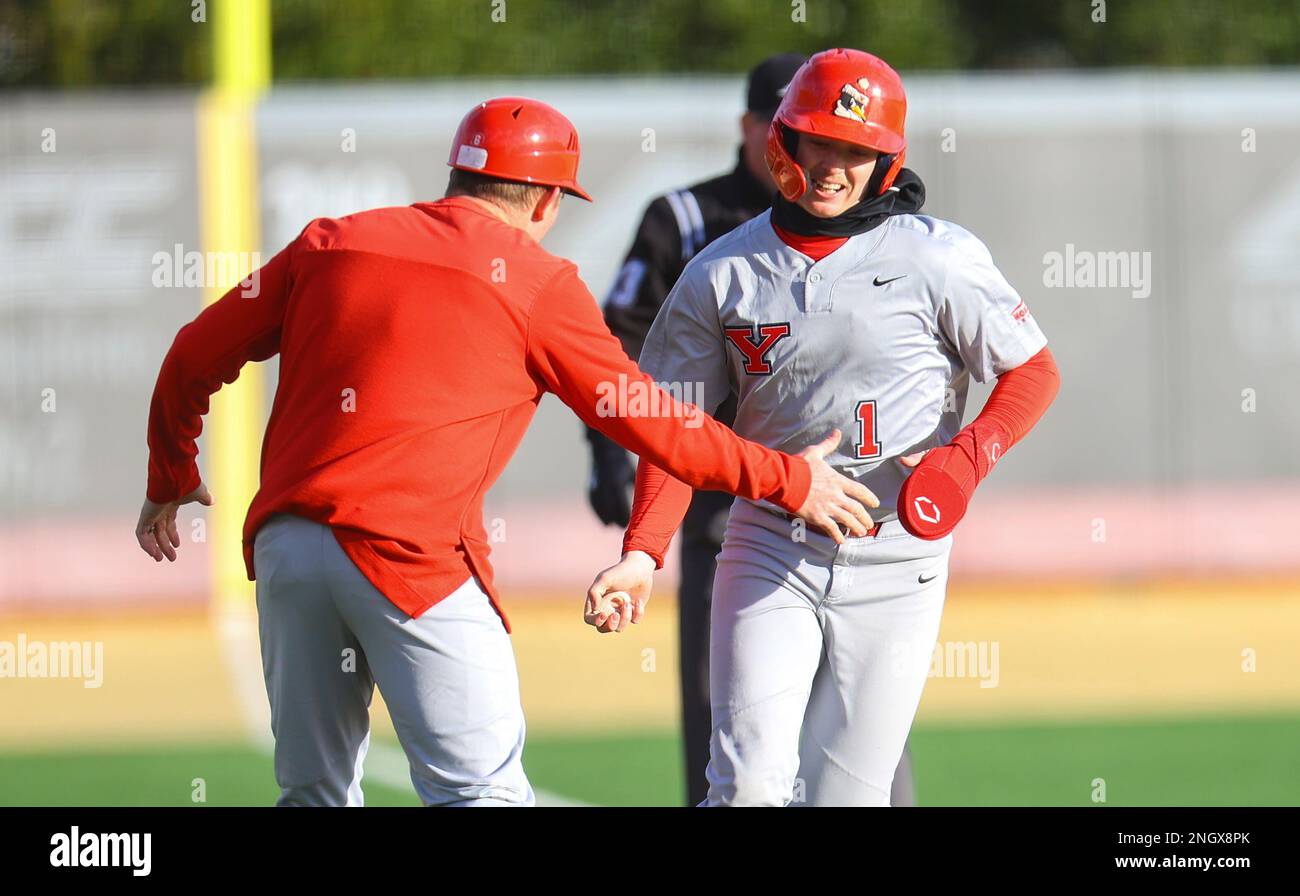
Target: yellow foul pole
(228, 202)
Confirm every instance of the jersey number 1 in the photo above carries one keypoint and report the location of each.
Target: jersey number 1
(868, 446)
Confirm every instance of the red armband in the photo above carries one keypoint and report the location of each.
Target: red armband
(934, 498)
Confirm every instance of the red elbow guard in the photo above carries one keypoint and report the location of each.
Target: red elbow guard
(934, 498)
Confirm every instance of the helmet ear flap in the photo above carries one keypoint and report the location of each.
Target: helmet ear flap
(887, 168)
(789, 177)
(790, 138)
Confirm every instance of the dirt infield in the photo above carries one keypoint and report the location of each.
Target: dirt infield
(1058, 652)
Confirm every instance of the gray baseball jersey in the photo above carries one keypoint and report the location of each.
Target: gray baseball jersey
(879, 339)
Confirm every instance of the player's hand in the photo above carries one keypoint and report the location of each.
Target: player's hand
(612, 478)
(156, 531)
(911, 460)
(835, 500)
(619, 594)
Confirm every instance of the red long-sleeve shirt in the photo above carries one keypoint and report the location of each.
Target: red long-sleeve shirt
(415, 344)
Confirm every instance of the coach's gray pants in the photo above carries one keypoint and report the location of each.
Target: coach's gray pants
(449, 679)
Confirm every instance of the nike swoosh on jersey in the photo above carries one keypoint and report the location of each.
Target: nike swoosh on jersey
(879, 282)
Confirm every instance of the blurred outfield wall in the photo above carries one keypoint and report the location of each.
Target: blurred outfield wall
(1175, 435)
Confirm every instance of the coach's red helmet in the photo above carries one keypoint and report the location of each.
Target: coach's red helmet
(844, 95)
(515, 138)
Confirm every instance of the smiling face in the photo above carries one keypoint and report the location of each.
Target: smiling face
(838, 174)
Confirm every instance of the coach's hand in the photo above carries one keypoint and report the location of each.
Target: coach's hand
(619, 594)
(156, 531)
(835, 500)
(612, 477)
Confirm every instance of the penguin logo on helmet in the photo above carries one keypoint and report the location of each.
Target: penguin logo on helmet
(853, 102)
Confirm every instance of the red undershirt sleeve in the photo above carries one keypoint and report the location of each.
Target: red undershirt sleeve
(1021, 397)
(935, 496)
(658, 508)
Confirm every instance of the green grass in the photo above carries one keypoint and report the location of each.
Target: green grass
(610, 770)
(1213, 762)
(1189, 762)
(1186, 762)
(233, 775)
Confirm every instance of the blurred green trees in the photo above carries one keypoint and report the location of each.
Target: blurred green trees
(71, 43)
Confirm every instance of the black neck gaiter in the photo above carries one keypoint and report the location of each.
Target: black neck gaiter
(906, 196)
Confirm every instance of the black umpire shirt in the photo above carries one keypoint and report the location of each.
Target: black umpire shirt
(675, 227)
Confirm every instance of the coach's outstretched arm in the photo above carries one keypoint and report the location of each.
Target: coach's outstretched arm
(573, 354)
(243, 325)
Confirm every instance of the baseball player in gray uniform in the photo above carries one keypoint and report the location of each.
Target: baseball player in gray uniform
(841, 308)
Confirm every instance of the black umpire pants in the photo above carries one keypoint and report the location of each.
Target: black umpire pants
(702, 532)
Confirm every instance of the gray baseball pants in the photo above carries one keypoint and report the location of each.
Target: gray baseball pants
(449, 678)
(819, 654)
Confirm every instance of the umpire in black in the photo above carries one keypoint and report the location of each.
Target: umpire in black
(674, 228)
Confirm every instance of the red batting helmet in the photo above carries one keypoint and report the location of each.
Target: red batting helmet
(515, 138)
(844, 95)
